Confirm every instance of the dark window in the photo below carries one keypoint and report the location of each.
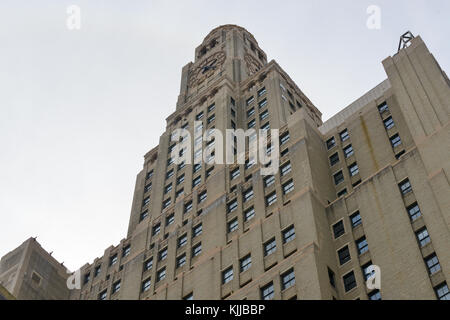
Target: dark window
(338, 177)
(338, 229)
(211, 107)
(87, 276)
(156, 229)
(261, 91)
(271, 199)
(197, 230)
(344, 135)
(250, 100)
(423, 237)
(284, 152)
(248, 194)
(366, 272)
(190, 296)
(231, 206)
(233, 225)
(169, 174)
(211, 119)
(356, 183)
(197, 249)
(126, 251)
(334, 159)
(102, 295)
(235, 173)
(264, 115)
(182, 241)
(288, 186)
(196, 181)
(362, 245)
(227, 275)
(245, 263)
(143, 215)
(355, 219)
(202, 196)
(348, 151)
(166, 203)
(286, 168)
(375, 295)
(442, 291)
(249, 213)
(146, 201)
(149, 175)
(349, 281)
(284, 138)
(389, 123)
(269, 180)
(181, 260)
(179, 193)
(270, 247)
(197, 167)
(162, 254)
(97, 270)
(405, 186)
(116, 287)
(161, 275)
(148, 264)
(414, 211)
(267, 292)
(113, 260)
(331, 143)
(287, 279)
(170, 219)
(289, 234)
(353, 169)
(332, 277)
(146, 285)
(344, 255)
(263, 103)
(180, 179)
(188, 207)
(342, 192)
(265, 126)
(395, 140)
(383, 107)
(398, 155)
(432, 262)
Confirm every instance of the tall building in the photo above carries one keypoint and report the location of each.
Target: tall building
(368, 187)
(31, 273)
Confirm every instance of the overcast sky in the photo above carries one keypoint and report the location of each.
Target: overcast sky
(80, 108)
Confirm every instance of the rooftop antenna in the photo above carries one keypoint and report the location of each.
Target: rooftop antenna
(405, 39)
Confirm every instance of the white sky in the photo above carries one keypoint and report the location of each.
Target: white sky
(79, 109)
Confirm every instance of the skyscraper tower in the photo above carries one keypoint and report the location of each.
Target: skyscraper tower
(364, 195)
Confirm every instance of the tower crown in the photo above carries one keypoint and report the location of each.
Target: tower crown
(219, 34)
(227, 51)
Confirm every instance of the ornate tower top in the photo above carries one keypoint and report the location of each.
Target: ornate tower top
(228, 50)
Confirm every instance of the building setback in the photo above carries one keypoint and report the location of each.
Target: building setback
(370, 186)
(31, 273)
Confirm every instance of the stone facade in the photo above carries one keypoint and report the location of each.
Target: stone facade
(354, 191)
(31, 273)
